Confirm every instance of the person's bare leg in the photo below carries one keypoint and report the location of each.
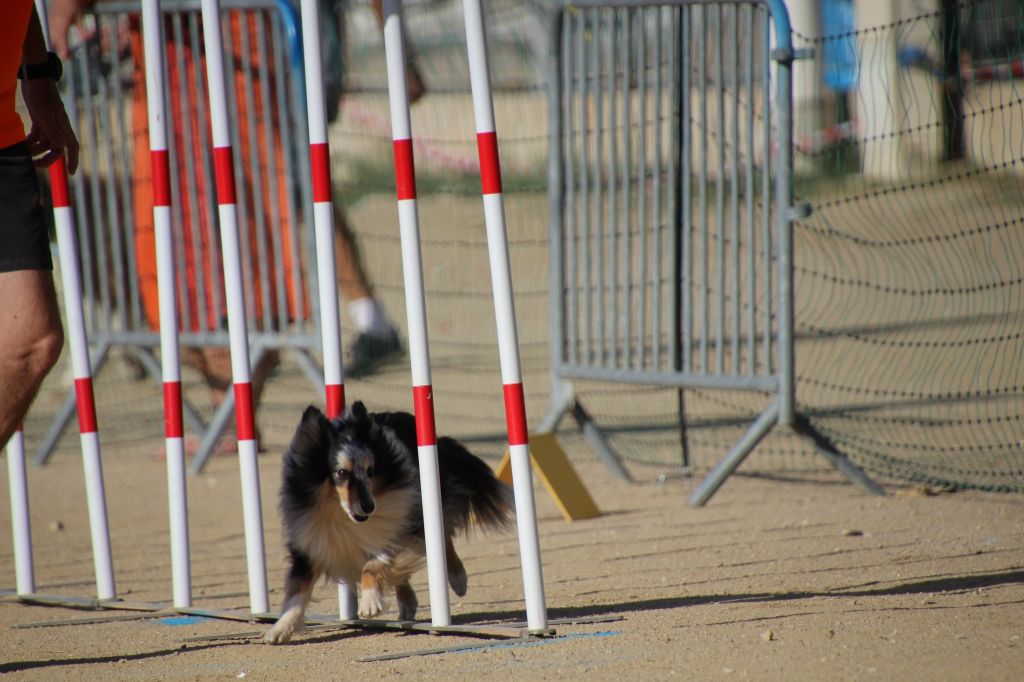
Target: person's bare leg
(31, 338)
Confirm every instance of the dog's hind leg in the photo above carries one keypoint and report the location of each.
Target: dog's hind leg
(298, 589)
(457, 577)
(407, 602)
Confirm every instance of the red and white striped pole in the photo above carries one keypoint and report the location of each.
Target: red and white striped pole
(174, 429)
(67, 247)
(21, 527)
(323, 225)
(245, 422)
(85, 402)
(416, 312)
(504, 312)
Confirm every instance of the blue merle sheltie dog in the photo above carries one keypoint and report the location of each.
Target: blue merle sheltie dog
(350, 507)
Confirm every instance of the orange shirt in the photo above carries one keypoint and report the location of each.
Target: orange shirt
(13, 27)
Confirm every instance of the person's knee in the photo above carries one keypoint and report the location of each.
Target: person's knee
(50, 345)
(42, 349)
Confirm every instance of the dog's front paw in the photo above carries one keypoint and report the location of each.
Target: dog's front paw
(370, 603)
(459, 581)
(282, 631)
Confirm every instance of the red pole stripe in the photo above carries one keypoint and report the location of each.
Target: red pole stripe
(59, 185)
(320, 160)
(173, 424)
(224, 169)
(515, 414)
(423, 403)
(335, 400)
(490, 169)
(161, 177)
(405, 172)
(244, 422)
(86, 406)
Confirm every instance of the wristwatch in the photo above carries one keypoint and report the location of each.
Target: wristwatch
(52, 68)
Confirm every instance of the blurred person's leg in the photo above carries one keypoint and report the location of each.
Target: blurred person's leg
(376, 338)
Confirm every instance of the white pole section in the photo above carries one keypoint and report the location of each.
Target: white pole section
(21, 525)
(234, 294)
(174, 430)
(323, 225)
(416, 312)
(504, 311)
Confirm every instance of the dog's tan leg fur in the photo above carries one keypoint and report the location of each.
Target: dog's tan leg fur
(371, 597)
(293, 612)
(382, 576)
(457, 577)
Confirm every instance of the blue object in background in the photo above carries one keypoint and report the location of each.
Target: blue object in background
(839, 45)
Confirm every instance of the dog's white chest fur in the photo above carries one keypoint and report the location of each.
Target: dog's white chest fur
(339, 546)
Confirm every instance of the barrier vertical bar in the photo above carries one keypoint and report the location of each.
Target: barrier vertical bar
(174, 430)
(749, 195)
(784, 225)
(67, 242)
(419, 353)
(504, 309)
(237, 326)
(21, 527)
(323, 225)
(719, 260)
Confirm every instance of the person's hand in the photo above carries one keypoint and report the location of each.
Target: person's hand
(63, 15)
(51, 136)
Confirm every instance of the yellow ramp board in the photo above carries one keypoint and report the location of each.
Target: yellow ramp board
(552, 465)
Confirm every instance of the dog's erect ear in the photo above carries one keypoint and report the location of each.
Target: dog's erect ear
(358, 411)
(312, 433)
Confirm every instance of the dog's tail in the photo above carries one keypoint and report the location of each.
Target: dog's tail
(470, 490)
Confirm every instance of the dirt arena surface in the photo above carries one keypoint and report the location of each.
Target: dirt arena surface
(775, 579)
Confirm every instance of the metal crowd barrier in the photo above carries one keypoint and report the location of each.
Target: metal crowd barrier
(100, 82)
(670, 174)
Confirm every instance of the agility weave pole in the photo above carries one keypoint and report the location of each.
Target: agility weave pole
(67, 243)
(174, 429)
(323, 225)
(235, 295)
(504, 312)
(416, 312)
(21, 527)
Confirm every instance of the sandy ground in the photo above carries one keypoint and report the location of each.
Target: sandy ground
(775, 579)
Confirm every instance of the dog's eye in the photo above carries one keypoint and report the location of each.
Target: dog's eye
(342, 474)
(369, 472)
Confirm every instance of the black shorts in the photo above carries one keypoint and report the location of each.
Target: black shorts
(24, 242)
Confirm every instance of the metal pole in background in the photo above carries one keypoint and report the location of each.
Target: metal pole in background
(416, 312)
(174, 429)
(234, 294)
(504, 311)
(67, 242)
(323, 225)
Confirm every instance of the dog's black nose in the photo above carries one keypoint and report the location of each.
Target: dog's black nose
(368, 507)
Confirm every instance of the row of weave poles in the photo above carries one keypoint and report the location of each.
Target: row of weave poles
(508, 344)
